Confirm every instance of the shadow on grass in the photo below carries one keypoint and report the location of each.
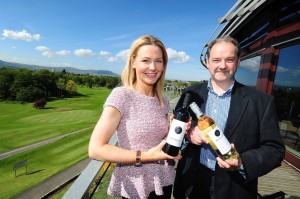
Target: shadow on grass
(27, 173)
(33, 172)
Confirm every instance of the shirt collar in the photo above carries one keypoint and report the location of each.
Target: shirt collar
(228, 92)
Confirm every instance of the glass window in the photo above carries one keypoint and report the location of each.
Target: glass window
(248, 71)
(286, 91)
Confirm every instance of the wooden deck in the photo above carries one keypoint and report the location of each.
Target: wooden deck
(284, 178)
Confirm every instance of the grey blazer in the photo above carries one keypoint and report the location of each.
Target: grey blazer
(252, 126)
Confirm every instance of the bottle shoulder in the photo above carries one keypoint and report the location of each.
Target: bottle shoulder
(205, 122)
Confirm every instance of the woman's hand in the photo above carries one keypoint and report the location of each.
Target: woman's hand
(171, 118)
(156, 153)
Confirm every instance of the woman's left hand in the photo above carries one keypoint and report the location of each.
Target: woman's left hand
(156, 153)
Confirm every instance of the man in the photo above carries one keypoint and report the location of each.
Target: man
(248, 119)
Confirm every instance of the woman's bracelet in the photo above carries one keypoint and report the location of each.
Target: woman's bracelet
(138, 162)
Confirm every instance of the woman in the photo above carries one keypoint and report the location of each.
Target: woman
(138, 112)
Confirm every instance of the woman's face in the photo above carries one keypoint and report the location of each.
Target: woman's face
(148, 65)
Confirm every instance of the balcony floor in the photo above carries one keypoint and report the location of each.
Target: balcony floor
(284, 178)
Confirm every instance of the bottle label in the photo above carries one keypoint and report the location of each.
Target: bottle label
(219, 139)
(176, 133)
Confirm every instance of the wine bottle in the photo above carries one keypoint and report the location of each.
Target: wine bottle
(214, 135)
(178, 128)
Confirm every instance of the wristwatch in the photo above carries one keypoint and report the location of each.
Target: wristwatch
(138, 162)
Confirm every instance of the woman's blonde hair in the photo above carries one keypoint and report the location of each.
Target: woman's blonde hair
(129, 76)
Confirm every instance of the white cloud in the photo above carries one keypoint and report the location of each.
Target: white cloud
(251, 64)
(119, 57)
(104, 53)
(45, 51)
(42, 48)
(177, 57)
(281, 69)
(123, 55)
(83, 53)
(63, 52)
(22, 35)
(48, 54)
(112, 59)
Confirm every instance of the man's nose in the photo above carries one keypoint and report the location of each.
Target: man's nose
(223, 64)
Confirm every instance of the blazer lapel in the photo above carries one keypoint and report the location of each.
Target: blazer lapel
(203, 93)
(236, 112)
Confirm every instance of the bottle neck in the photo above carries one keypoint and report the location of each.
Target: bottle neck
(202, 117)
(199, 114)
(182, 109)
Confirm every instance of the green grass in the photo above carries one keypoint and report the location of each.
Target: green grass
(43, 162)
(22, 125)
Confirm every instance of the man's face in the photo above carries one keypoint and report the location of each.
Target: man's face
(223, 62)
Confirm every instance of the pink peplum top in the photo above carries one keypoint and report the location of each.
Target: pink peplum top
(143, 125)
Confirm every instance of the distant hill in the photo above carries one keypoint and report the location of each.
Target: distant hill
(68, 69)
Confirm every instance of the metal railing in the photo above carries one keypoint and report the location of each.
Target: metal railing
(87, 182)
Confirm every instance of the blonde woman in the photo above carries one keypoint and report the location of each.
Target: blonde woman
(138, 112)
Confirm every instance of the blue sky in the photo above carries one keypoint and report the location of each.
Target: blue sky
(97, 34)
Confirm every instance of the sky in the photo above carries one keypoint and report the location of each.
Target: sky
(97, 34)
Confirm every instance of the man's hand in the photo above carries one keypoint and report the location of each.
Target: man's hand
(195, 136)
(230, 165)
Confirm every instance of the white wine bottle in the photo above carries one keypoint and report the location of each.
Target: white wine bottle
(178, 128)
(214, 135)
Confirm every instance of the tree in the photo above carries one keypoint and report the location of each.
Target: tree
(23, 79)
(88, 80)
(45, 80)
(71, 87)
(28, 94)
(112, 82)
(7, 77)
(40, 103)
(61, 85)
(100, 81)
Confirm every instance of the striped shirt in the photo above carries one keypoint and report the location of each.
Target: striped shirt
(217, 107)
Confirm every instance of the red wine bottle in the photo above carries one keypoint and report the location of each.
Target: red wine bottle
(178, 128)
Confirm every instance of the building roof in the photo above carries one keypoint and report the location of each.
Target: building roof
(250, 21)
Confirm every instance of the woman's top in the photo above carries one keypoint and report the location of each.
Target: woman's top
(143, 125)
